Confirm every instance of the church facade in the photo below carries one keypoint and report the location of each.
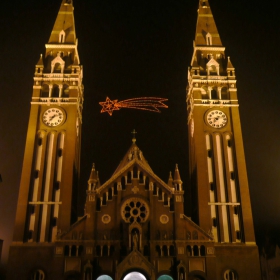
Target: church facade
(134, 225)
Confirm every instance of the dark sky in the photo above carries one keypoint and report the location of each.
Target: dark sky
(143, 48)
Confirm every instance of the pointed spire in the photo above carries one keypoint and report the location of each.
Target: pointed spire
(170, 180)
(177, 177)
(40, 61)
(93, 178)
(229, 64)
(206, 31)
(64, 27)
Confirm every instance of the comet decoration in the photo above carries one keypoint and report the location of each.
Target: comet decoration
(141, 103)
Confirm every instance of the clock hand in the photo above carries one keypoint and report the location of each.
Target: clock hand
(52, 117)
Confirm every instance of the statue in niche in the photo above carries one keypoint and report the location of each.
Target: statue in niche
(135, 240)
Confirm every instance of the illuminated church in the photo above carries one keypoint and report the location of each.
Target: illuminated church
(134, 225)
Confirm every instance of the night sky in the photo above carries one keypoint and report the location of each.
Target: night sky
(143, 48)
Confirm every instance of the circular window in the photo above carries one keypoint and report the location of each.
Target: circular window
(164, 219)
(135, 210)
(106, 219)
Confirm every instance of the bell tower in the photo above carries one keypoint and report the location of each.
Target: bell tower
(49, 173)
(217, 163)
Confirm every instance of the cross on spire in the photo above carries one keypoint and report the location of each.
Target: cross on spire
(133, 132)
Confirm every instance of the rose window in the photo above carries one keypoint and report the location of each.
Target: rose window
(135, 210)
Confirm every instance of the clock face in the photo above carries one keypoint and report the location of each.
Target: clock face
(216, 118)
(53, 117)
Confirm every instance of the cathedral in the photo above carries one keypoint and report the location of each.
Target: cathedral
(134, 225)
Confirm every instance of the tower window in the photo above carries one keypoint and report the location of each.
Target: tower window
(212, 186)
(209, 153)
(229, 143)
(208, 39)
(238, 234)
(38, 275)
(36, 174)
(214, 220)
(232, 175)
(40, 140)
(235, 209)
(59, 153)
(62, 36)
(57, 185)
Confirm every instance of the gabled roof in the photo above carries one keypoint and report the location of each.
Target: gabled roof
(212, 61)
(197, 227)
(134, 156)
(64, 22)
(206, 25)
(72, 228)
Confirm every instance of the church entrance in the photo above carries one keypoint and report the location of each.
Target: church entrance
(135, 276)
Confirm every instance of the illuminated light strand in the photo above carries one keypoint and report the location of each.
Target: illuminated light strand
(141, 103)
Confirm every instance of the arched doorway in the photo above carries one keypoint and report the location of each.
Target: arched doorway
(134, 276)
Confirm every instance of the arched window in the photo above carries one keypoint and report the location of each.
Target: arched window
(38, 275)
(165, 277)
(135, 172)
(80, 250)
(158, 250)
(224, 94)
(55, 91)
(202, 250)
(204, 93)
(129, 177)
(147, 183)
(141, 178)
(134, 276)
(104, 277)
(45, 90)
(230, 274)
(65, 91)
(115, 188)
(123, 183)
(214, 94)
(165, 251)
(195, 251)
(189, 250)
(62, 36)
(208, 39)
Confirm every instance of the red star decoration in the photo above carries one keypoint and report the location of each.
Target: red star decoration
(109, 106)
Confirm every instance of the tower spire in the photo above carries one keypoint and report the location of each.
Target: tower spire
(206, 30)
(64, 27)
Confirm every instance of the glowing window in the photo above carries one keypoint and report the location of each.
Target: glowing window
(104, 277)
(134, 276)
(165, 277)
